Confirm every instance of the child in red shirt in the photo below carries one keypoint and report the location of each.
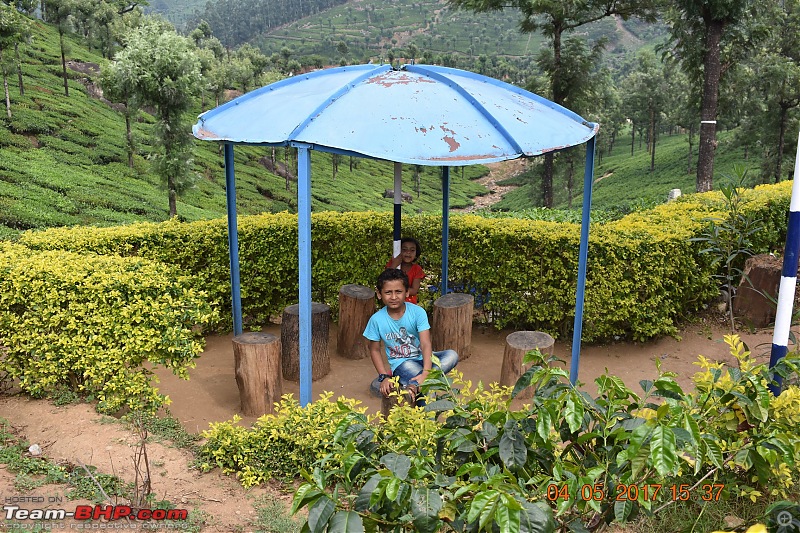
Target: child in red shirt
(410, 251)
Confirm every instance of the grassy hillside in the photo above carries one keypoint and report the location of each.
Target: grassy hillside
(63, 160)
(623, 180)
(370, 29)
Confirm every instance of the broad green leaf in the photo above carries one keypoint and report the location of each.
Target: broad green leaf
(690, 425)
(543, 423)
(425, 507)
(363, 500)
(398, 464)
(513, 449)
(622, 510)
(573, 413)
(536, 518)
(480, 502)
(346, 522)
(392, 488)
(304, 494)
(320, 513)
(440, 405)
(712, 451)
(506, 518)
(662, 450)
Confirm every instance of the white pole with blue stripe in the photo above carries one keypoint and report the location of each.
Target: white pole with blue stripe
(398, 209)
(783, 317)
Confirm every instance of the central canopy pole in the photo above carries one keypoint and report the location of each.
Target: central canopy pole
(304, 263)
(397, 233)
(583, 252)
(445, 225)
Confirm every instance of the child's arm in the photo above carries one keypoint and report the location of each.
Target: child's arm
(377, 360)
(427, 355)
(395, 261)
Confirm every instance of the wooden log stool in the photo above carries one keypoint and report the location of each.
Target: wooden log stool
(517, 345)
(257, 359)
(391, 401)
(762, 276)
(290, 341)
(356, 306)
(452, 324)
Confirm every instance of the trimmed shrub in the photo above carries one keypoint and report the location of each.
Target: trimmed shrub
(96, 324)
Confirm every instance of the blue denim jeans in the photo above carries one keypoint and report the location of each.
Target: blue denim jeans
(408, 370)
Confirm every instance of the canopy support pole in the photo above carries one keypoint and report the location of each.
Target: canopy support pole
(233, 240)
(445, 226)
(583, 252)
(304, 263)
(398, 209)
(783, 316)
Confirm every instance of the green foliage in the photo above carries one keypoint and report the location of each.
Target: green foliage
(645, 272)
(729, 239)
(567, 457)
(90, 323)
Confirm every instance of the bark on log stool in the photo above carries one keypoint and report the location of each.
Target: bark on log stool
(517, 345)
(257, 359)
(452, 324)
(356, 306)
(391, 401)
(290, 341)
(750, 304)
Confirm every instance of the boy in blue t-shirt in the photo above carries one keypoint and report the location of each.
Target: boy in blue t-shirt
(404, 329)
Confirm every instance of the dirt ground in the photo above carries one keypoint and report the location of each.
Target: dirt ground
(78, 435)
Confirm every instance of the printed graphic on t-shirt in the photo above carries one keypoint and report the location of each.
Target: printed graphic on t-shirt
(402, 345)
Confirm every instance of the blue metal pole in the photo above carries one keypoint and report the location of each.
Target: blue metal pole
(233, 240)
(398, 209)
(304, 261)
(783, 316)
(445, 225)
(583, 253)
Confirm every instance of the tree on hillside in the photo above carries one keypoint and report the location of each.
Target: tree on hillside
(13, 28)
(554, 18)
(647, 97)
(117, 89)
(59, 13)
(161, 69)
(709, 37)
(776, 80)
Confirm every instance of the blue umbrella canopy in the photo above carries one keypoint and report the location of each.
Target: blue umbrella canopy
(418, 114)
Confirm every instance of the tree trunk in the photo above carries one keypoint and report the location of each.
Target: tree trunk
(257, 360)
(452, 324)
(173, 197)
(708, 112)
(5, 84)
(63, 61)
(290, 341)
(781, 142)
(518, 344)
(558, 98)
(19, 70)
(356, 306)
(652, 135)
(689, 156)
(547, 179)
(129, 135)
(633, 136)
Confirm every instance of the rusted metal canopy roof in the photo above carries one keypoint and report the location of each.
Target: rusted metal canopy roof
(418, 114)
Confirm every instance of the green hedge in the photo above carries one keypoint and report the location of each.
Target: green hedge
(96, 324)
(643, 271)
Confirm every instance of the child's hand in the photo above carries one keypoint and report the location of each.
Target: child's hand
(387, 385)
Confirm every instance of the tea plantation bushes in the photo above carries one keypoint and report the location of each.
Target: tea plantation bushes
(95, 324)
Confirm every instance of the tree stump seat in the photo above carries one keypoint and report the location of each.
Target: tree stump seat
(517, 345)
(356, 306)
(257, 360)
(290, 342)
(762, 276)
(452, 324)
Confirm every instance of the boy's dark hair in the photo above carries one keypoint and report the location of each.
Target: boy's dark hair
(415, 242)
(391, 274)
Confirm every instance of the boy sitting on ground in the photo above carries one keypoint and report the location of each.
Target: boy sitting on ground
(404, 329)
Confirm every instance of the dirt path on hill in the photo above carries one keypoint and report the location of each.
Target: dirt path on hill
(497, 172)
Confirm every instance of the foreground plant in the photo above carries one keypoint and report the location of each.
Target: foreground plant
(566, 461)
